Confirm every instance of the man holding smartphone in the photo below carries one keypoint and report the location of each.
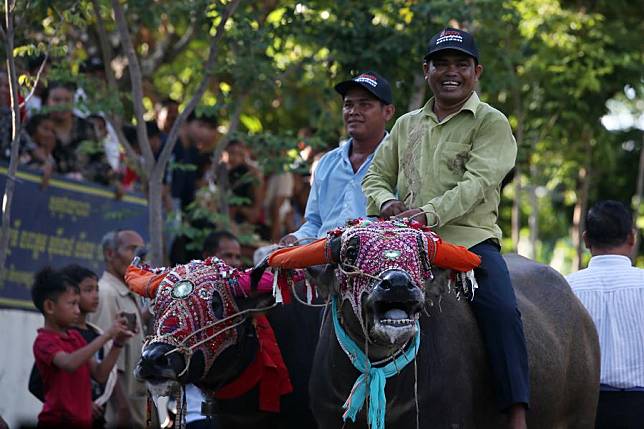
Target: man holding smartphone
(127, 406)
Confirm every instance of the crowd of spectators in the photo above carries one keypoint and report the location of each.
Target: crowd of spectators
(60, 135)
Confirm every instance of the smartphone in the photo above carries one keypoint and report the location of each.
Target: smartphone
(131, 320)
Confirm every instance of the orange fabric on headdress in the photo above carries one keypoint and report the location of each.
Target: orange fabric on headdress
(448, 256)
(455, 257)
(300, 256)
(143, 282)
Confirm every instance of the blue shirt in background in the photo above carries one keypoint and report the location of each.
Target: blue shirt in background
(336, 193)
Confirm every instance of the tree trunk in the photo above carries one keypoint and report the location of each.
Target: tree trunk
(533, 220)
(10, 186)
(156, 168)
(418, 93)
(107, 55)
(516, 209)
(155, 218)
(639, 197)
(578, 222)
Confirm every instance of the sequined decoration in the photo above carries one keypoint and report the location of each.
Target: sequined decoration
(184, 305)
(384, 245)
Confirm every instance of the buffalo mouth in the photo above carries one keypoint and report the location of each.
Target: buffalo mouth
(392, 308)
(392, 323)
(396, 314)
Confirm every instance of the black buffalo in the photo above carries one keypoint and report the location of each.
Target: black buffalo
(296, 329)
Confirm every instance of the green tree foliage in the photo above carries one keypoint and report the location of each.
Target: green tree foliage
(550, 66)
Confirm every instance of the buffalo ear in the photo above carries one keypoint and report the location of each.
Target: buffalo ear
(324, 279)
(255, 300)
(351, 252)
(335, 245)
(437, 285)
(257, 272)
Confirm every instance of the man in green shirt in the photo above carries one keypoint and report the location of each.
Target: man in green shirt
(443, 165)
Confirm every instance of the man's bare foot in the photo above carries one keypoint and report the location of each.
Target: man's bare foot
(516, 417)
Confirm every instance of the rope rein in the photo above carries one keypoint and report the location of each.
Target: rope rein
(298, 299)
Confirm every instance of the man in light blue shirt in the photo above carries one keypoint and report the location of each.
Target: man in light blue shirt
(612, 290)
(336, 192)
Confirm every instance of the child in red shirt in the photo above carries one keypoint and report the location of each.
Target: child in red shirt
(64, 359)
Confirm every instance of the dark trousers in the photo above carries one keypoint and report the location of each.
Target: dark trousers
(620, 410)
(499, 319)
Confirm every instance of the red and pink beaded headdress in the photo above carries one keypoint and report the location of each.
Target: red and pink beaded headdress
(185, 315)
(374, 247)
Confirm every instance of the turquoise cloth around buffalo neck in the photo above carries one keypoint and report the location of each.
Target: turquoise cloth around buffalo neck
(372, 380)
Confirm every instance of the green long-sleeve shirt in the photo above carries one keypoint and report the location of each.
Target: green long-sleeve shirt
(450, 169)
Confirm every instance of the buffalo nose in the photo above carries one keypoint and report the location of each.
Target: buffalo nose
(157, 362)
(155, 356)
(395, 279)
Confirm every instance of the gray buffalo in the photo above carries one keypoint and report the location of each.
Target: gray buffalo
(385, 311)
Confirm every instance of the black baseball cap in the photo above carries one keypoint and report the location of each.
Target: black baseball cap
(372, 82)
(452, 38)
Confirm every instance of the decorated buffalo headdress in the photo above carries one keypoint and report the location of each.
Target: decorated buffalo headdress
(183, 298)
(371, 248)
(365, 249)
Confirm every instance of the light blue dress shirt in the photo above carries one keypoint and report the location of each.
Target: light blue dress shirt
(336, 193)
(612, 290)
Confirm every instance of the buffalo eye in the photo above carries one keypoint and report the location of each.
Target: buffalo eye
(217, 305)
(351, 254)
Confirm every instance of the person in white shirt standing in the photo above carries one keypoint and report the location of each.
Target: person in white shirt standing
(612, 290)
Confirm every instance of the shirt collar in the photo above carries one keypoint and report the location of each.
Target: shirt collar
(118, 284)
(610, 261)
(346, 147)
(471, 105)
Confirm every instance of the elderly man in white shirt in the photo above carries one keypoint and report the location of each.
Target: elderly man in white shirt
(612, 290)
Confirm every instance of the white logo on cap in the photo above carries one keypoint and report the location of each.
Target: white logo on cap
(450, 38)
(371, 80)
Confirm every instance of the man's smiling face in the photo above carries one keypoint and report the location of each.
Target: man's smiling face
(452, 76)
(364, 115)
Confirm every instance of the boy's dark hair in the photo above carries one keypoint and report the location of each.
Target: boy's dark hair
(211, 243)
(608, 224)
(77, 273)
(49, 284)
